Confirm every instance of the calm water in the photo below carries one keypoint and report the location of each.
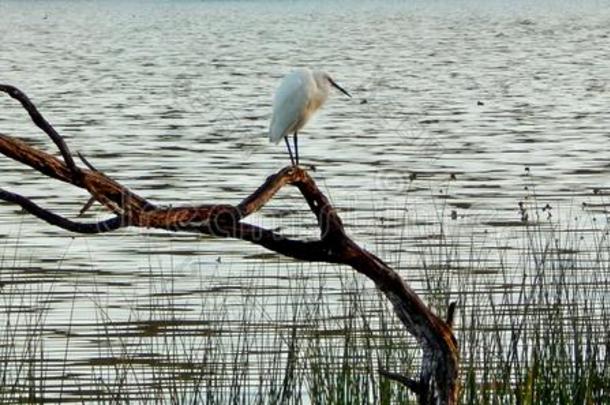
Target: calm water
(174, 99)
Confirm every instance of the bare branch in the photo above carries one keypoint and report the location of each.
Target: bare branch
(439, 370)
(410, 383)
(57, 220)
(41, 123)
(451, 313)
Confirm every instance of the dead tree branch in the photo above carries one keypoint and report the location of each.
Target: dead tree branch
(438, 378)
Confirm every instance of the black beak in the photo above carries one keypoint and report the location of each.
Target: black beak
(341, 89)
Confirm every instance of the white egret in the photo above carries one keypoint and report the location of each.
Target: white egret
(299, 95)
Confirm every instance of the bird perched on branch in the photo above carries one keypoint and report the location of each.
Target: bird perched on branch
(300, 94)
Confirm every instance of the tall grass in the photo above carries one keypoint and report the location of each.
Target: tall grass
(532, 330)
(533, 321)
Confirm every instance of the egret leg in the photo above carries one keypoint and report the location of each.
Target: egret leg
(289, 150)
(296, 147)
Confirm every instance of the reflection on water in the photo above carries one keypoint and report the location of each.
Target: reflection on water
(459, 114)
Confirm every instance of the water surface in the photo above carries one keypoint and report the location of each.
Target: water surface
(460, 111)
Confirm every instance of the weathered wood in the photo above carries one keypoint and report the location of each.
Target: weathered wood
(438, 378)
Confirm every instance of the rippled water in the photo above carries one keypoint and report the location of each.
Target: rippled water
(174, 99)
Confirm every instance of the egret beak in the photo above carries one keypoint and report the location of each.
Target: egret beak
(341, 89)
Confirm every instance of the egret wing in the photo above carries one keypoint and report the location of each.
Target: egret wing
(289, 105)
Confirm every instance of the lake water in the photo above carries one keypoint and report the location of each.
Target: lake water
(174, 99)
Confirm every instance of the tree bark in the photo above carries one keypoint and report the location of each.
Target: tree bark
(437, 382)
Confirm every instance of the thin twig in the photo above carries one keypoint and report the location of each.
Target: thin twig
(86, 162)
(86, 207)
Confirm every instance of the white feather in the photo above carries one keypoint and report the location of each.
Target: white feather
(290, 104)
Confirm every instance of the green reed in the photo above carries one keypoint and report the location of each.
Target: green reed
(534, 330)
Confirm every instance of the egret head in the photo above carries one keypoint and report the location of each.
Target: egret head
(324, 80)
